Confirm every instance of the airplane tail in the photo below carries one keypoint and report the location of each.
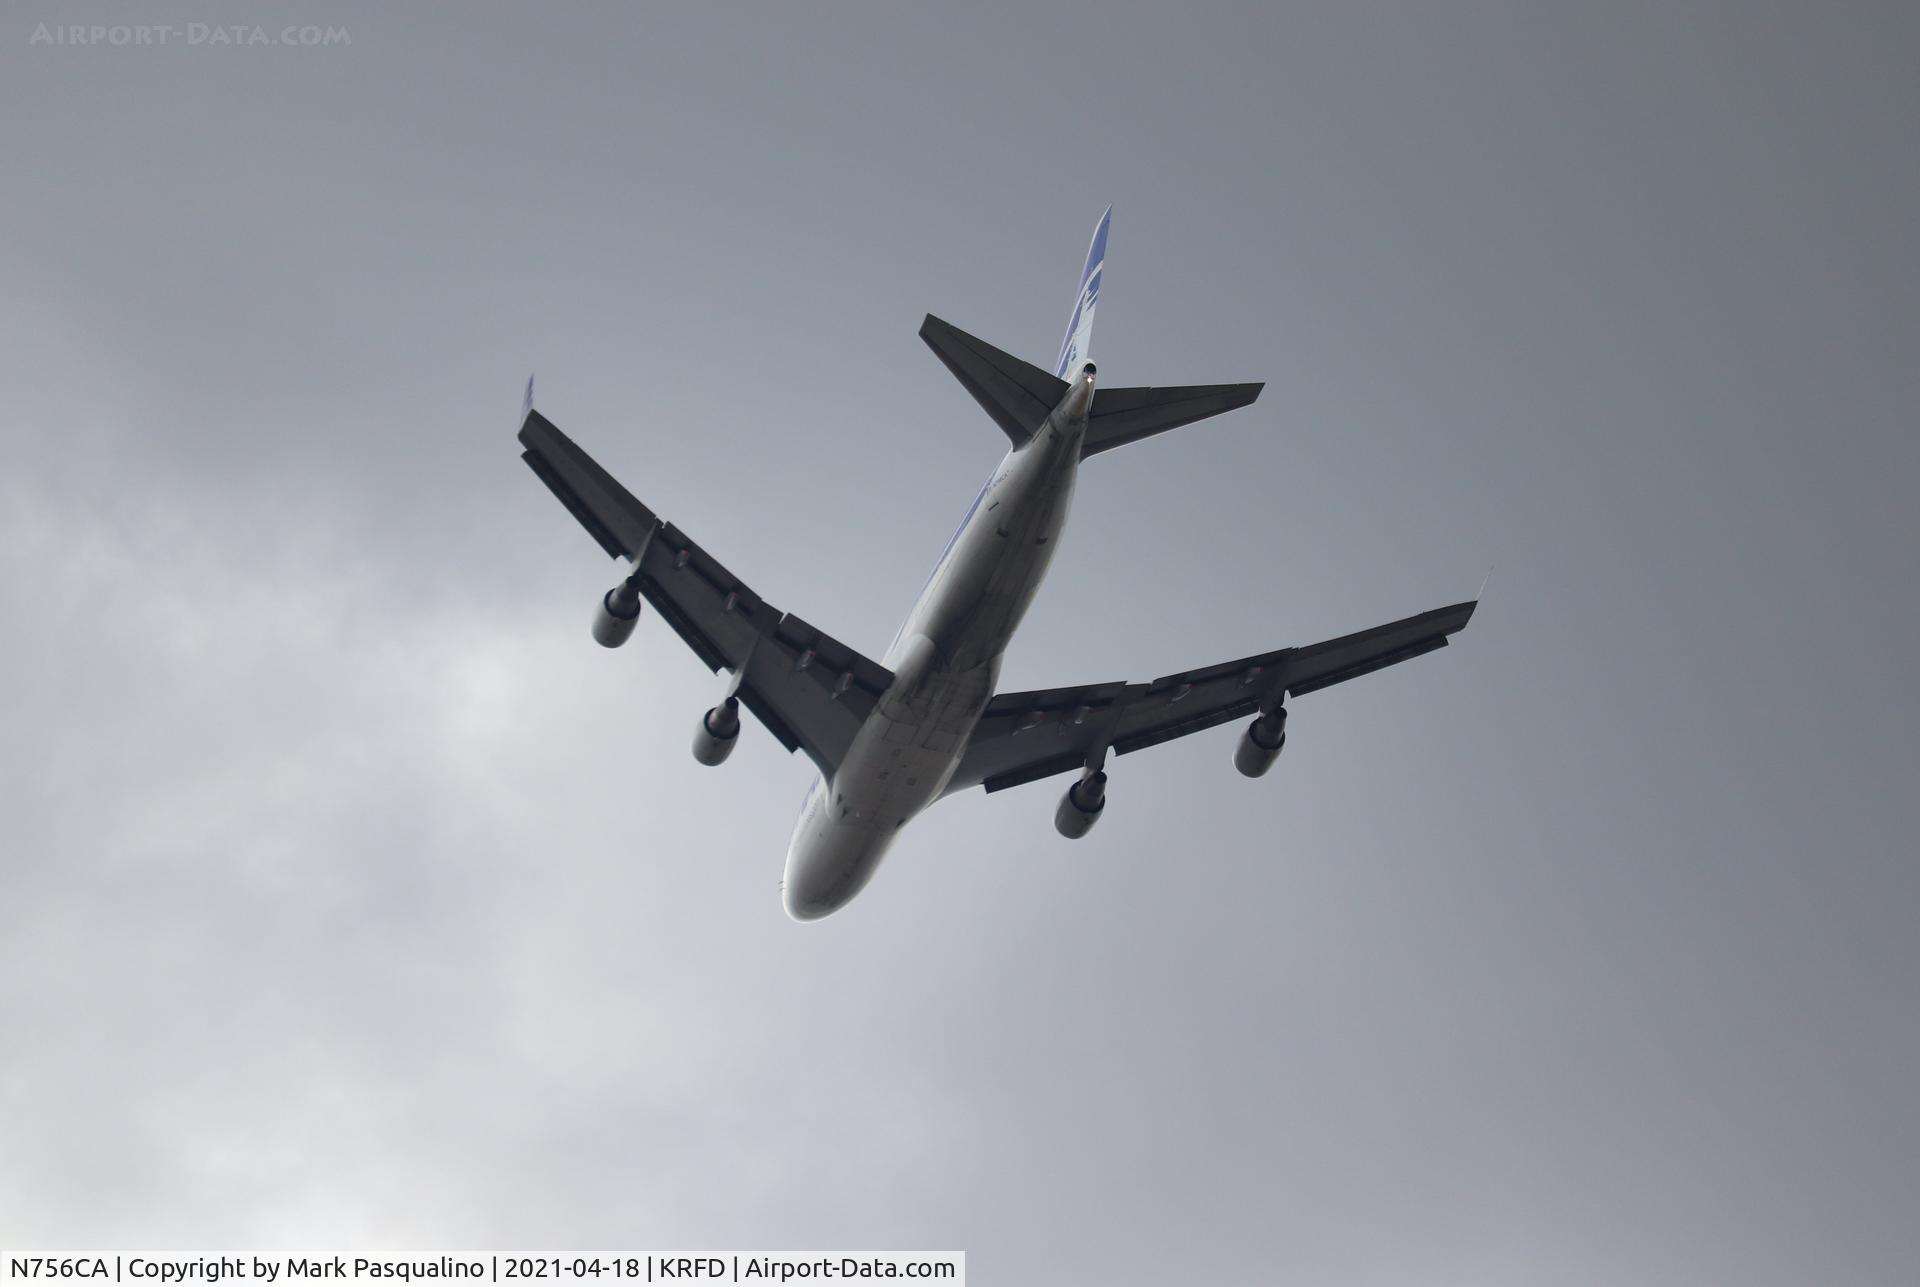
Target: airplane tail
(1020, 396)
(1073, 349)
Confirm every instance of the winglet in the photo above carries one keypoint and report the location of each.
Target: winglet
(1483, 584)
(526, 403)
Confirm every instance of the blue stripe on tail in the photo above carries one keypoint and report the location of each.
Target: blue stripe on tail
(1073, 349)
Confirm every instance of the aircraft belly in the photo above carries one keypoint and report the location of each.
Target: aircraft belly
(994, 577)
(899, 764)
(911, 745)
(945, 663)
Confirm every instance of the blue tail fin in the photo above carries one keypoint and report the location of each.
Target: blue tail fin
(1073, 349)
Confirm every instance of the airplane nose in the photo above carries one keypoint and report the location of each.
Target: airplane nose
(812, 893)
(803, 894)
(803, 908)
(813, 885)
(827, 866)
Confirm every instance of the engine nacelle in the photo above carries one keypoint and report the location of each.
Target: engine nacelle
(1081, 806)
(718, 730)
(1261, 744)
(619, 610)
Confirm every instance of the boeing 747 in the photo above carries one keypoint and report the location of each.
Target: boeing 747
(891, 737)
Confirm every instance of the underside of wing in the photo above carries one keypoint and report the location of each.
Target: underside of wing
(1025, 736)
(594, 497)
(1323, 665)
(810, 690)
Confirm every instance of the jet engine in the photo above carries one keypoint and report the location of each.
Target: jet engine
(619, 609)
(1081, 806)
(719, 729)
(1260, 745)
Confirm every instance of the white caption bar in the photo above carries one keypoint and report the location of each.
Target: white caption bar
(522, 1269)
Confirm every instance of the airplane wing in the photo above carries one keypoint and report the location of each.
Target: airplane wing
(810, 690)
(1022, 737)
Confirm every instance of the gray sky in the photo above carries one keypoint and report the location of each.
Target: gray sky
(353, 897)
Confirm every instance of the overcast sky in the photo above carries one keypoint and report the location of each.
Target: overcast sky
(352, 897)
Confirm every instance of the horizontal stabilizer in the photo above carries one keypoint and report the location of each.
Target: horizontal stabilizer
(1018, 395)
(1121, 416)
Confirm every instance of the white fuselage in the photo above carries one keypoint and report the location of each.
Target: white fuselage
(945, 662)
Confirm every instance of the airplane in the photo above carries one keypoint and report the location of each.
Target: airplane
(892, 737)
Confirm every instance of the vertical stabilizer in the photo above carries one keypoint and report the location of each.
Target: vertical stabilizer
(1073, 349)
